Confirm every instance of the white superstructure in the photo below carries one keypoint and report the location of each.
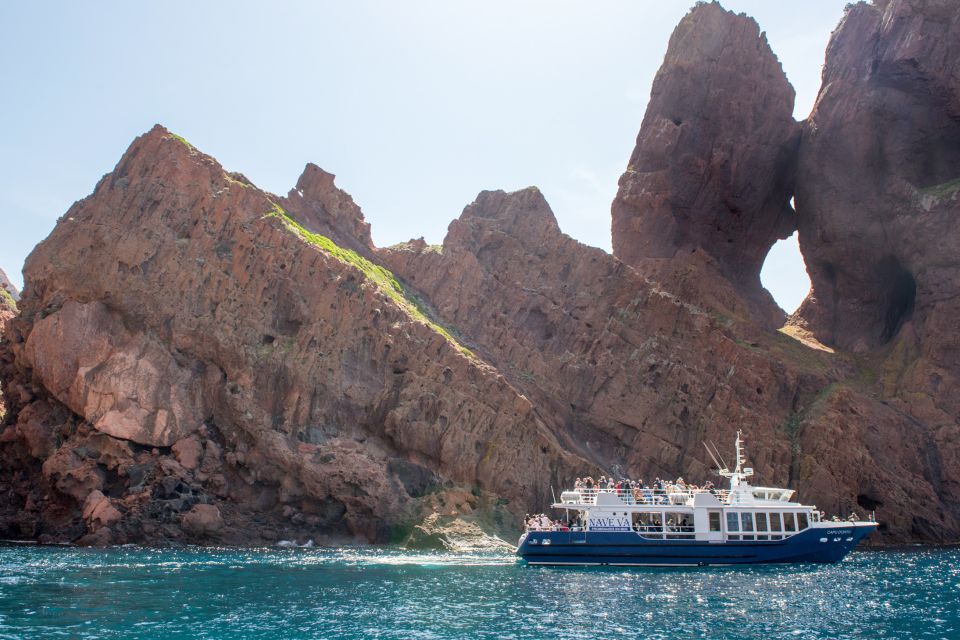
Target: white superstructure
(741, 513)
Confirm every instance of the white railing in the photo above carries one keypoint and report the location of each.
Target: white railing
(645, 530)
(654, 497)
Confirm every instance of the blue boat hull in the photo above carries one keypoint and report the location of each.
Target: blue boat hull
(627, 548)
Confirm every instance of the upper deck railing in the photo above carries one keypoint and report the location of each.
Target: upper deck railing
(654, 497)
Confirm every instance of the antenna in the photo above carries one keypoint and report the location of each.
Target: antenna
(740, 473)
(717, 451)
(715, 461)
(714, 458)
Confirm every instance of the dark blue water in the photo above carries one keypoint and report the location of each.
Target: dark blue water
(352, 593)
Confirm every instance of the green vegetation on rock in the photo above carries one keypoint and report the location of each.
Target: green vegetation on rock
(183, 140)
(382, 278)
(7, 300)
(943, 189)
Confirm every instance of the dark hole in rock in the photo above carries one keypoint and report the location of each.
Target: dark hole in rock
(869, 503)
(830, 271)
(417, 481)
(268, 339)
(312, 435)
(899, 296)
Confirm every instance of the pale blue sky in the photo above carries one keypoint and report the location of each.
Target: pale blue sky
(415, 106)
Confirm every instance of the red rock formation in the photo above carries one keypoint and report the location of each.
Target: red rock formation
(203, 315)
(634, 377)
(325, 209)
(713, 166)
(878, 200)
(878, 177)
(194, 362)
(7, 286)
(8, 309)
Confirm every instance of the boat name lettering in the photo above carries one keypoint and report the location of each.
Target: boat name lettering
(618, 523)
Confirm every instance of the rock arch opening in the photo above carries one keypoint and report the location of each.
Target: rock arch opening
(784, 274)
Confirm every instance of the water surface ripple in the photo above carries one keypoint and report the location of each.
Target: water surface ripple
(392, 593)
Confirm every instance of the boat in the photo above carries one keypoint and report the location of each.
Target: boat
(676, 525)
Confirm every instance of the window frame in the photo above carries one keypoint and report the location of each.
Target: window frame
(789, 522)
(711, 526)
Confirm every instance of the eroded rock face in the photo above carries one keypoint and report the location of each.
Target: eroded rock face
(194, 363)
(878, 181)
(203, 310)
(126, 384)
(326, 209)
(878, 200)
(713, 167)
(633, 377)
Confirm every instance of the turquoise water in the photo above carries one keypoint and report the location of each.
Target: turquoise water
(391, 593)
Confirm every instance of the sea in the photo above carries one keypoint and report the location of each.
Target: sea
(198, 593)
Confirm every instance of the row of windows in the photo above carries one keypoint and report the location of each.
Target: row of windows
(763, 522)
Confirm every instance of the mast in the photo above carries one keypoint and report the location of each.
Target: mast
(740, 473)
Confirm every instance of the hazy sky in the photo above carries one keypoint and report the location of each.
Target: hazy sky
(416, 106)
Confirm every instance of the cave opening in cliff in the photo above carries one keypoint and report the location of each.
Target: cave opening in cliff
(784, 273)
(900, 292)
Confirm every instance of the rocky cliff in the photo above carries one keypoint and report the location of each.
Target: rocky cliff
(198, 360)
(712, 171)
(216, 353)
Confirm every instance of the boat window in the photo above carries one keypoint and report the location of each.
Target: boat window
(761, 521)
(680, 524)
(733, 523)
(714, 520)
(647, 523)
(801, 521)
(788, 522)
(775, 523)
(746, 521)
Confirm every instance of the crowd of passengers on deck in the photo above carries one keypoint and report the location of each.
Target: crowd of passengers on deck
(637, 491)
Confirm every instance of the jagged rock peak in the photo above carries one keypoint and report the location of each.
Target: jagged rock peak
(314, 182)
(319, 204)
(523, 215)
(713, 164)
